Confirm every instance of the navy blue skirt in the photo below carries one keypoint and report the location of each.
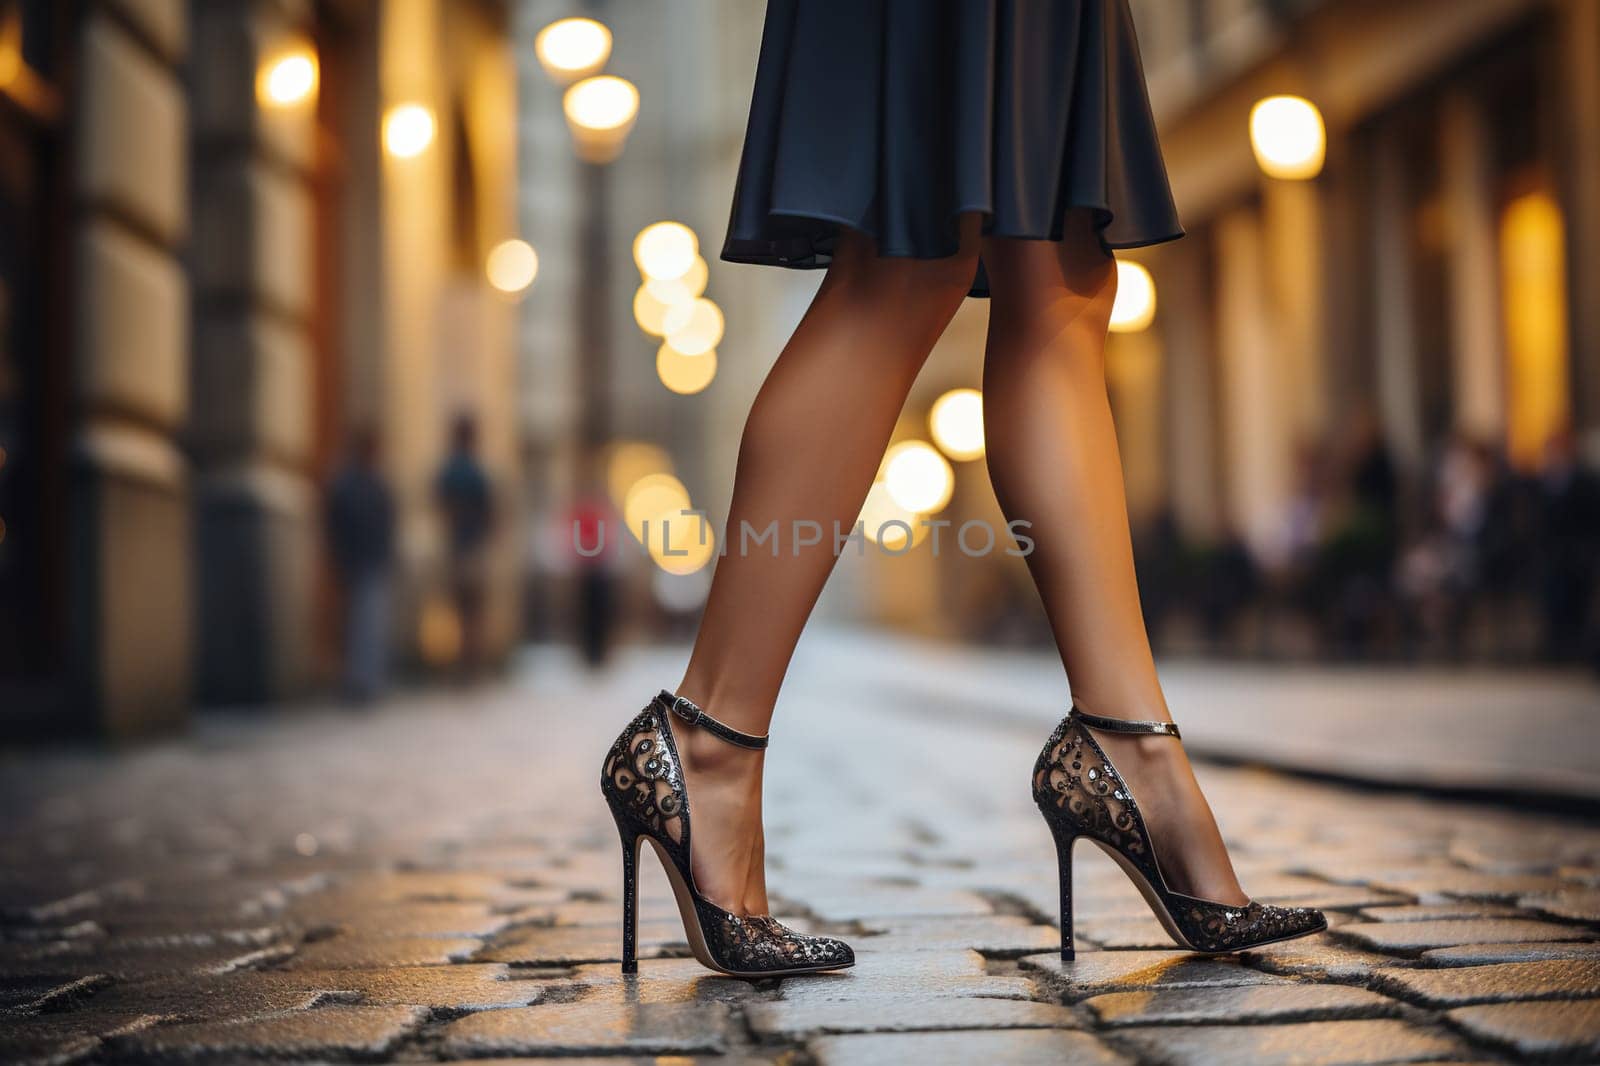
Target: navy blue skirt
(893, 117)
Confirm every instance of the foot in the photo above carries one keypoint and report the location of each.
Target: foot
(727, 851)
(1189, 848)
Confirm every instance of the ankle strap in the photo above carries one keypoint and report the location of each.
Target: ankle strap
(692, 713)
(1120, 725)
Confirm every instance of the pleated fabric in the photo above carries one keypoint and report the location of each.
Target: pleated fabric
(893, 117)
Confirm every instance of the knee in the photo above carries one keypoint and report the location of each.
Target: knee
(902, 289)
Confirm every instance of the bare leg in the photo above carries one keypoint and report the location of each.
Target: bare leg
(1052, 455)
(814, 439)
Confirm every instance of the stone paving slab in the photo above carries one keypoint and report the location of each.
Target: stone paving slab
(354, 952)
(1215, 1006)
(1557, 979)
(1569, 1030)
(584, 1028)
(1484, 954)
(1300, 1044)
(1021, 1048)
(808, 1018)
(1320, 959)
(1417, 937)
(327, 1032)
(1095, 972)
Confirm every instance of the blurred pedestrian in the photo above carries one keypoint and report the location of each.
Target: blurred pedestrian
(466, 502)
(360, 519)
(1569, 551)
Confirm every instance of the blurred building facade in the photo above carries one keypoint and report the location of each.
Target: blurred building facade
(213, 269)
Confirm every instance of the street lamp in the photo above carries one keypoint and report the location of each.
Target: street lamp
(512, 266)
(289, 78)
(1135, 305)
(1288, 137)
(407, 130)
(600, 113)
(572, 49)
(956, 421)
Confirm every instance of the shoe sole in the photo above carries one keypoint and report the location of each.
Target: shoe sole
(696, 936)
(1165, 918)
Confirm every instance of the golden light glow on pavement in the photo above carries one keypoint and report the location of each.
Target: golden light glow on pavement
(572, 49)
(1135, 306)
(1288, 137)
(956, 423)
(918, 477)
(512, 266)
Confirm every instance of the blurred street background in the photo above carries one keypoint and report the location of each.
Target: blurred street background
(323, 325)
(351, 353)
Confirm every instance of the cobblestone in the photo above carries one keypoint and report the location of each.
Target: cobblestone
(1409, 937)
(816, 1017)
(591, 1029)
(1561, 979)
(1302, 1044)
(437, 880)
(1535, 1029)
(1261, 1003)
(1022, 1048)
(326, 1032)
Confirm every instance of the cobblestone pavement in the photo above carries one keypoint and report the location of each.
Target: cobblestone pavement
(438, 879)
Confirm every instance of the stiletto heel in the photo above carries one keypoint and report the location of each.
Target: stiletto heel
(1081, 794)
(642, 780)
(1064, 839)
(630, 899)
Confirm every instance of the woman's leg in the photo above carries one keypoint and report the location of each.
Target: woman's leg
(1052, 455)
(812, 444)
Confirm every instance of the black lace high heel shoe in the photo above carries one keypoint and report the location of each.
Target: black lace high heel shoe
(1080, 794)
(642, 779)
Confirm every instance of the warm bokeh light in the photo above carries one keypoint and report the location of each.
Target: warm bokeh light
(918, 477)
(439, 633)
(407, 130)
(682, 289)
(694, 328)
(879, 510)
(956, 423)
(289, 78)
(1533, 285)
(1135, 306)
(1288, 137)
(665, 250)
(649, 312)
(685, 374)
(651, 497)
(572, 48)
(512, 266)
(683, 544)
(600, 111)
(629, 462)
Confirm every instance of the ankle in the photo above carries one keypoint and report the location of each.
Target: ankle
(714, 757)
